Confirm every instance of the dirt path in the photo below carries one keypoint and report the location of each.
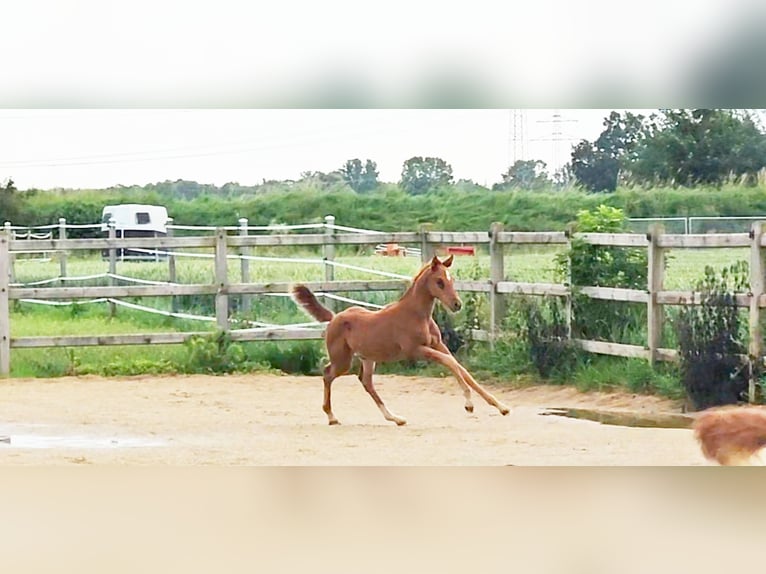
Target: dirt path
(277, 420)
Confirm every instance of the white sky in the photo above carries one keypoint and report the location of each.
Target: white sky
(96, 148)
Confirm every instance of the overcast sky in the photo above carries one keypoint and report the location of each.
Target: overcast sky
(80, 148)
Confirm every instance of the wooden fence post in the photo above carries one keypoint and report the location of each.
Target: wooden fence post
(5, 312)
(244, 264)
(655, 280)
(569, 300)
(112, 262)
(11, 256)
(172, 274)
(757, 270)
(62, 253)
(496, 275)
(328, 254)
(222, 281)
(426, 249)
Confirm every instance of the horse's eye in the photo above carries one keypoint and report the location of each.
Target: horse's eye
(440, 283)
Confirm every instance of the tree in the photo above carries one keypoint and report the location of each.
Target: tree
(525, 174)
(420, 175)
(700, 146)
(594, 169)
(361, 179)
(597, 166)
(9, 202)
(322, 180)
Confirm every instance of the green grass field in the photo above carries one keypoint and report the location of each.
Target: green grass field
(684, 268)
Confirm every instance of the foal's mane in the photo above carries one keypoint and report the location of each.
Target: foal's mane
(426, 268)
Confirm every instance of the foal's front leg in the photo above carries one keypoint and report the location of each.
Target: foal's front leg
(365, 375)
(460, 372)
(438, 344)
(461, 381)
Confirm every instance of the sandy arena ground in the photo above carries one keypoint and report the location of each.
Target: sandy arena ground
(278, 420)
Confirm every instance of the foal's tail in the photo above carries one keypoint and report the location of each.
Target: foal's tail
(306, 299)
(731, 435)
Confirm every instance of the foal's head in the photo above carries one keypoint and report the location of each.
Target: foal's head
(441, 285)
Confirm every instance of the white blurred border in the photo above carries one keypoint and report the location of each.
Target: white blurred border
(90, 53)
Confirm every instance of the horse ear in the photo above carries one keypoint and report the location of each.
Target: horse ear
(447, 262)
(435, 262)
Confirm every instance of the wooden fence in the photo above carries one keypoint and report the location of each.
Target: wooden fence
(496, 286)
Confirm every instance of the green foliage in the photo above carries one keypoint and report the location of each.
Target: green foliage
(700, 147)
(361, 179)
(389, 208)
(525, 174)
(596, 166)
(215, 353)
(9, 202)
(604, 373)
(474, 304)
(603, 266)
(594, 169)
(302, 357)
(711, 336)
(544, 329)
(420, 175)
(676, 147)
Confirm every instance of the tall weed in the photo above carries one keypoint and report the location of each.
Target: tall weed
(712, 339)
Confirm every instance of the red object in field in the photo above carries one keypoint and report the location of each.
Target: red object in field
(461, 250)
(391, 250)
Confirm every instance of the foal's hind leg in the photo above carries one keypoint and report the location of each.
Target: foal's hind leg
(365, 375)
(340, 361)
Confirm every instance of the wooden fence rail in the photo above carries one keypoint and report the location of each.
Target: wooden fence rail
(497, 286)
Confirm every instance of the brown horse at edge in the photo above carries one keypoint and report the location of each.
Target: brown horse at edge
(402, 330)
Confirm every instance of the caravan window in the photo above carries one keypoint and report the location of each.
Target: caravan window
(106, 218)
(142, 217)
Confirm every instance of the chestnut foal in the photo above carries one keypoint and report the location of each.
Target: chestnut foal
(402, 330)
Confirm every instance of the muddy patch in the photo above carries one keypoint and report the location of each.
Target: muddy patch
(624, 418)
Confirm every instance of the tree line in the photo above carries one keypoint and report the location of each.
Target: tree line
(686, 148)
(670, 148)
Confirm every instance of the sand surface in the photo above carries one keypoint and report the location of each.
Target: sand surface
(278, 420)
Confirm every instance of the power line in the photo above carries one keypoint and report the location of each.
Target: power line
(517, 136)
(557, 135)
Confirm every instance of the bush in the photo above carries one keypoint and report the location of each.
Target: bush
(604, 266)
(214, 354)
(551, 351)
(711, 341)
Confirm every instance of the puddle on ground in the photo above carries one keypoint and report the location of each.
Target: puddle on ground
(625, 419)
(73, 441)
